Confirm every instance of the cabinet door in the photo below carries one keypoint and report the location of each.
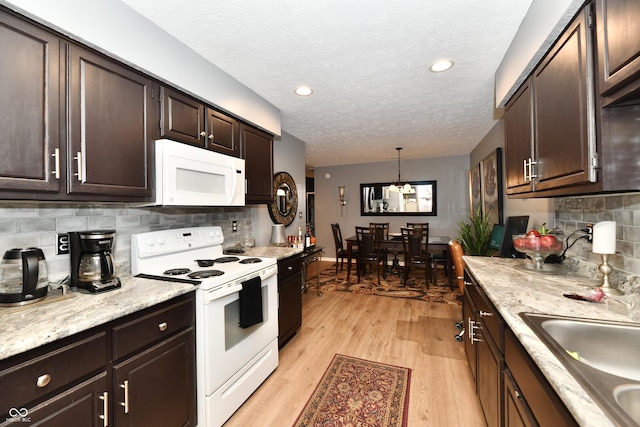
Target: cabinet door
(29, 107)
(84, 405)
(469, 315)
(111, 112)
(563, 110)
(516, 411)
(518, 125)
(222, 133)
(618, 41)
(182, 118)
(489, 379)
(157, 387)
(289, 298)
(257, 151)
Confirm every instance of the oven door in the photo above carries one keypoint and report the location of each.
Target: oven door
(228, 347)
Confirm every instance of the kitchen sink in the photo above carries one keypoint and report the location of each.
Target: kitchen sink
(601, 355)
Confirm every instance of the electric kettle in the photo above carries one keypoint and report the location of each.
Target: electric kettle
(23, 276)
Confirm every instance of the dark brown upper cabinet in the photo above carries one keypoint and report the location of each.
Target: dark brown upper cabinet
(550, 122)
(188, 120)
(618, 42)
(257, 151)
(111, 119)
(30, 87)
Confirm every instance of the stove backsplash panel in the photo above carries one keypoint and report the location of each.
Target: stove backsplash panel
(25, 224)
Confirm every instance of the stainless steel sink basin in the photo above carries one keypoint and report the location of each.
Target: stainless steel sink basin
(603, 356)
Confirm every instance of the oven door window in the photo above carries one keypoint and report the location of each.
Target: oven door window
(233, 333)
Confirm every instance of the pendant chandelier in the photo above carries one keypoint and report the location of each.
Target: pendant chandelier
(399, 184)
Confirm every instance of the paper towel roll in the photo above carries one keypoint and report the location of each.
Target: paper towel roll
(604, 237)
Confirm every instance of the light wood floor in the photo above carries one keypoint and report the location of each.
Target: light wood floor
(414, 334)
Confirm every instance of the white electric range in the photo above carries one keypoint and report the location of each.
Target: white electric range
(231, 361)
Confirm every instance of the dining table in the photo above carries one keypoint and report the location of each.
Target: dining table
(394, 245)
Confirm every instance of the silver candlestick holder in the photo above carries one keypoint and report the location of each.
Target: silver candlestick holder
(606, 270)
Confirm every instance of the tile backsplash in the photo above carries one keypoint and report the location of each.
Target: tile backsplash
(36, 224)
(574, 213)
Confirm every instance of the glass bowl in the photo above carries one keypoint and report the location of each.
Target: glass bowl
(538, 248)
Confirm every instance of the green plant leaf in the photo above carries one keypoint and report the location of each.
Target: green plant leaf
(474, 234)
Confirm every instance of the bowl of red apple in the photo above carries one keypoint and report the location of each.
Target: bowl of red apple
(539, 245)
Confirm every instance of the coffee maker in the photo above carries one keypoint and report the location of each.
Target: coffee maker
(91, 261)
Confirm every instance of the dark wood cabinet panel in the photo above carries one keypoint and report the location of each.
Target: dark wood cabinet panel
(469, 316)
(30, 87)
(156, 387)
(618, 40)
(289, 298)
(516, 411)
(111, 116)
(564, 119)
(222, 133)
(518, 123)
(550, 123)
(257, 151)
(182, 118)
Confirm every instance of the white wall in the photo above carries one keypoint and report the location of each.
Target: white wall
(288, 156)
(114, 28)
(543, 23)
(452, 195)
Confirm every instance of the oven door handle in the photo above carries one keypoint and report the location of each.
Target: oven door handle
(221, 293)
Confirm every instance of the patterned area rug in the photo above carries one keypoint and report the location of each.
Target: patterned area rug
(391, 286)
(358, 392)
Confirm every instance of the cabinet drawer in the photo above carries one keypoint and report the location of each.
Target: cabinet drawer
(37, 377)
(289, 267)
(492, 322)
(149, 328)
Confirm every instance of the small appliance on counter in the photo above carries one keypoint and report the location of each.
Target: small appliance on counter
(92, 262)
(23, 276)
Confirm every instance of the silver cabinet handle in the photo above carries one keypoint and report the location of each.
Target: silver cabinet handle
(203, 134)
(211, 137)
(43, 380)
(78, 159)
(163, 326)
(56, 162)
(105, 409)
(485, 314)
(125, 386)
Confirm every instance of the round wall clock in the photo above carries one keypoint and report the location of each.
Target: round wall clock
(284, 207)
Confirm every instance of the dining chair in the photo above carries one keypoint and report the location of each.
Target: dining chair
(415, 243)
(418, 224)
(381, 231)
(458, 263)
(437, 258)
(369, 252)
(341, 252)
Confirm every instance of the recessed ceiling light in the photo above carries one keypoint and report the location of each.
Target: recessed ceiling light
(441, 65)
(303, 91)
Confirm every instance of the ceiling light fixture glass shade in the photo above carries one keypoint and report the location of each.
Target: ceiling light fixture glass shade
(303, 91)
(441, 65)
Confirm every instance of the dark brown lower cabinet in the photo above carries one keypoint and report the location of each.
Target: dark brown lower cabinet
(289, 298)
(511, 388)
(81, 380)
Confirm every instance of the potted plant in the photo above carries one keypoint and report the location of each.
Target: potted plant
(474, 234)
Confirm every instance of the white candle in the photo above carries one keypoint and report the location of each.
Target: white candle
(604, 237)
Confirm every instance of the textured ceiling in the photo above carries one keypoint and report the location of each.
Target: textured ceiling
(366, 62)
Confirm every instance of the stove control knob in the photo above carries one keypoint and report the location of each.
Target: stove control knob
(160, 240)
(149, 241)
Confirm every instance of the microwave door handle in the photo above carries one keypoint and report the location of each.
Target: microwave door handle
(233, 182)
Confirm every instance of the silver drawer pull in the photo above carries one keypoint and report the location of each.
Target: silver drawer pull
(43, 380)
(163, 326)
(485, 314)
(125, 386)
(105, 409)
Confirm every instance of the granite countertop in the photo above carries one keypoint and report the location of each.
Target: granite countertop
(277, 252)
(59, 316)
(513, 291)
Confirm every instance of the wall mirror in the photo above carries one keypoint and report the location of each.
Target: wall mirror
(416, 198)
(284, 207)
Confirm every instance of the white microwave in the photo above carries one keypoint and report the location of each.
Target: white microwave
(192, 176)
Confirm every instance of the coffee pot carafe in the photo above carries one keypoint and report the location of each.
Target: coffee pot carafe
(23, 276)
(92, 261)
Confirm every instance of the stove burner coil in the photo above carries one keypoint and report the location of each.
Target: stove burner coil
(203, 274)
(227, 259)
(204, 262)
(250, 260)
(177, 271)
